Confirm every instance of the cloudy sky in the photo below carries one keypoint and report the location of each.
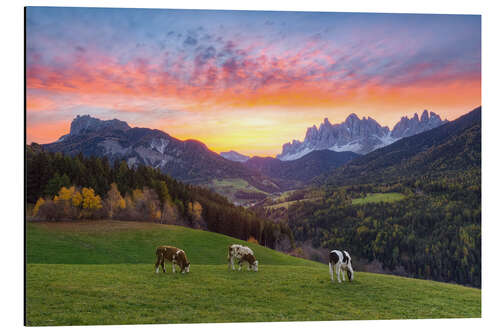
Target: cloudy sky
(243, 80)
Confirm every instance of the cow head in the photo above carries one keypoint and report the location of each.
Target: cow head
(350, 274)
(255, 266)
(186, 268)
(350, 271)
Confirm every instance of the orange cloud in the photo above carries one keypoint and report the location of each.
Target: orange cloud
(239, 93)
(37, 103)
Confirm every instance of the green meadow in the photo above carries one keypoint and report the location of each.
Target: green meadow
(378, 197)
(230, 186)
(102, 272)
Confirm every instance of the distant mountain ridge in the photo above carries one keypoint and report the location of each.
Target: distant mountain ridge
(357, 135)
(303, 169)
(234, 156)
(189, 161)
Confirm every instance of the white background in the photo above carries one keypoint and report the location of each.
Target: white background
(12, 148)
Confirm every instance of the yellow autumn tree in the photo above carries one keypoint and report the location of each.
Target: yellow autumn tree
(195, 209)
(77, 199)
(65, 194)
(90, 201)
(70, 195)
(69, 201)
(38, 204)
(156, 214)
(114, 200)
(252, 239)
(149, 205)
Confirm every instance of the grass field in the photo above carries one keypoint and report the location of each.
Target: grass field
(287, 204)
(229, 186)
(90, 273)
(378, 197)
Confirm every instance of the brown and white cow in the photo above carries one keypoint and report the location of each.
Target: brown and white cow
(173, 254)
(242, 254)
(341, 261)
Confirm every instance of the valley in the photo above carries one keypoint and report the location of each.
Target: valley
(374, 204)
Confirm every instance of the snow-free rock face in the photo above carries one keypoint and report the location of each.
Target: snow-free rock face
(234, 156)
(357, 135)
(82, 124)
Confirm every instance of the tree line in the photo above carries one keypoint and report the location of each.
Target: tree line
(76, 187)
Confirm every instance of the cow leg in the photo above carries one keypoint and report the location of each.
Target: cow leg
(337, 269)
(331, 270)
(232, 263)
(239, 264)
(163, 264)
(157, 264)
(173, 267)
(343, 274)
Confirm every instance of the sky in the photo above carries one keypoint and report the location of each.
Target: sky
(248, 81)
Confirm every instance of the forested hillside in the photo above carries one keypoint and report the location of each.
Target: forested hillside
(60, 185)
(432, 230)
(434, 233)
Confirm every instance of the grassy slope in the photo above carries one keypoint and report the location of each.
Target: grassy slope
(229, 186)
(102, 273)
(378, 197)
(287, 204)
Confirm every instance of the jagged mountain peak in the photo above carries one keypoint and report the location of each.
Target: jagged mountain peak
(408, 127)
(425, 116)
(358, 135)
(86, 123)
(352, 117)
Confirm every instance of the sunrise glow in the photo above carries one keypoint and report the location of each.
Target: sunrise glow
(242, 80)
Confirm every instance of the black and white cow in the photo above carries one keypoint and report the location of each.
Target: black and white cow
(341, 261)
(242, 253)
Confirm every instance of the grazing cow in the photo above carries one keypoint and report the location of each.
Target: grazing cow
(173, 254)
(243, 254)
(341, 261)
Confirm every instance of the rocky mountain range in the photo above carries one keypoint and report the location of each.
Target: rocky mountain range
(189, 161)
(450, 148)
(323, 150)
(357, 135)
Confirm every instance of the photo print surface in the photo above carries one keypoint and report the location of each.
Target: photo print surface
(210, 166)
